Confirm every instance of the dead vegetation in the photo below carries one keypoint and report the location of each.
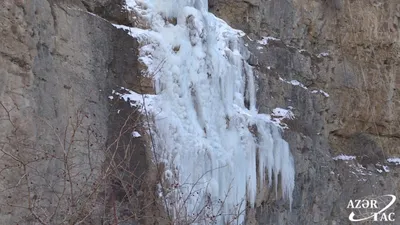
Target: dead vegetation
(83, 179)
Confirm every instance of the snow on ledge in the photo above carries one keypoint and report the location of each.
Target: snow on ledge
(386, 169)
(395, 161)
(132, 31)
(282, 113)
(320, 91)
(265, 40)
(344, 157)
(297, 83)
(136, 99)
(136, 134)
(279, 114)
(323, 54)
(294, 83)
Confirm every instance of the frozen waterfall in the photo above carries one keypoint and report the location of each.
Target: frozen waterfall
(216, 147)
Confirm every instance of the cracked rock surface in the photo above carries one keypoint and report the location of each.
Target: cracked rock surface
(334, 63)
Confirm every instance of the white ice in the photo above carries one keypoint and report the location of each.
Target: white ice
(218, 150)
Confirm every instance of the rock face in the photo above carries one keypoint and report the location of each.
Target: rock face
(350, 51)
(58, 65)
(60, 60)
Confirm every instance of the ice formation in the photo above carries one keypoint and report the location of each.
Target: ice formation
(218, 150)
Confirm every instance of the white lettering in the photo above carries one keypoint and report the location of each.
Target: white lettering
(350, 205)
(374, 204)
(365, 204)
(358, 204)
(391, 216)
(383, 217)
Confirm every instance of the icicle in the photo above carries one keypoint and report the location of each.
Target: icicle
(208, 139)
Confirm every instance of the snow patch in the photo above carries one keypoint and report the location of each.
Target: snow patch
(137, 100)
(320, 91)
(324, 93)
(358, 169)
(395, 161)
(344, 157)
(132, 31)
(249, 38)
(386, 169)
(264, 40)
(323, 54)
(136, 134)
(294, 83)
(298, 83)
(279, 114)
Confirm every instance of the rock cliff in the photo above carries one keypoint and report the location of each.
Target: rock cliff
(350, 51)
(334, 63)
(59, 63)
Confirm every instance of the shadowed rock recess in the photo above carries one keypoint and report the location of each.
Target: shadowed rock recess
(67, 153)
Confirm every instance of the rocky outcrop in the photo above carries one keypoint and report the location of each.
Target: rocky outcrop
(349, 50)
(58, 65)
(59, 130)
